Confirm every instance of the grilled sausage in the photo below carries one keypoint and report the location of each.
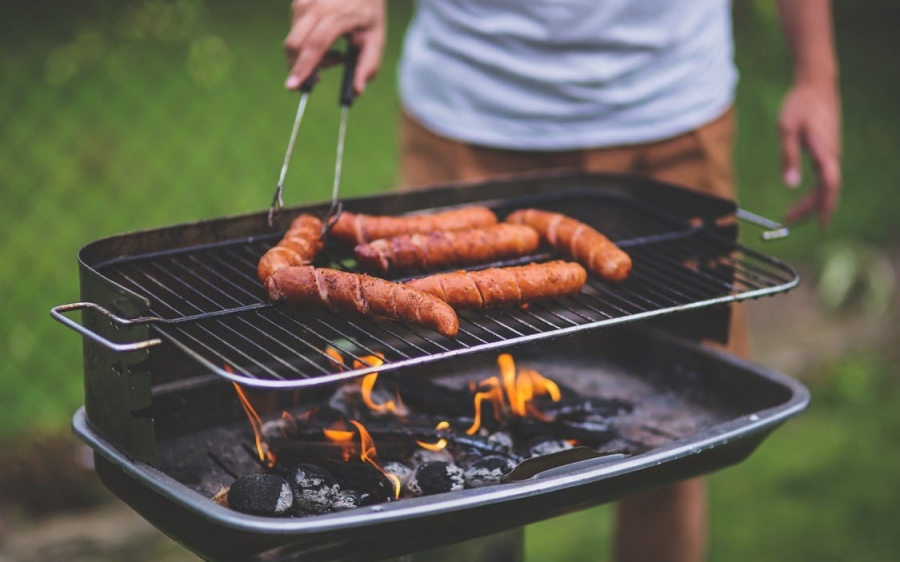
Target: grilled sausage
(452, 248)
(503, 286)
(579, 241)
(360, 228)
(298, 246)
(353, 292)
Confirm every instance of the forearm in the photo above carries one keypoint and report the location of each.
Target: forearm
(809, 30)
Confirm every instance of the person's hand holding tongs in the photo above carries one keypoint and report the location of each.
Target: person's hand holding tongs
(317, 24)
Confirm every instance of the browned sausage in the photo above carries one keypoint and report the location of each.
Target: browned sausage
(503, 286)
(578, 241)
(451, 248)
(353, 292)
(298, 246)
(359, 228)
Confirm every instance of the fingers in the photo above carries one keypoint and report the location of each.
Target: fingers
(371, 48)
(317, 25)
(790, 151)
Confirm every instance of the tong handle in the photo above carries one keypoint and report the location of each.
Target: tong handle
(57, 313)
(351, 57)
(776, 230)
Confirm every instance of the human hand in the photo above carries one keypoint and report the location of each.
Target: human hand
(810, 120)
(316, 26)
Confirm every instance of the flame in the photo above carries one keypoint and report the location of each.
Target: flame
(441, 444)
(368, 384)
(335, 356)
(370, 455)
(339, 434)
(513, 392)
(262, 450)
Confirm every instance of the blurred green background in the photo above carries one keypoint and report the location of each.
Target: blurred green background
(120, 116)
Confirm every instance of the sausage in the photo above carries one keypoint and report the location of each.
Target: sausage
(298, 246)
(579, 241)
(354, 292)
(503, 286)
(452, 248)
(359, 228)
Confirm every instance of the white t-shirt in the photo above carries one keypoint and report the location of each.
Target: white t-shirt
(567, 74)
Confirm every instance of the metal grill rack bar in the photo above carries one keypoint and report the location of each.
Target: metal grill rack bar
(207, 301)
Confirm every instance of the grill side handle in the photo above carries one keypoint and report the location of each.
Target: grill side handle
(58, 313)
(775, 230)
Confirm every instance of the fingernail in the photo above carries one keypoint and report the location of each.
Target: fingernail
(792, 177)
(293, 82)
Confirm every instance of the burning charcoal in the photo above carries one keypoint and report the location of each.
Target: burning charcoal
(435, 478)
(502, 440)
(487, 471)
(315, 489)
(548, 446)
(347, 499)
(422, 456)
(400, 470)
(363, 477)
(261, 494)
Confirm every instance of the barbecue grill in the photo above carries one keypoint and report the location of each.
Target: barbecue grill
(170, 316)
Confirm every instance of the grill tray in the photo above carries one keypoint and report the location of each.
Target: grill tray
(726, 408)
(203, 296)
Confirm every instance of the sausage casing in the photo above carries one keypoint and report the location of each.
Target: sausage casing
(358, 228)
(298, 246)
(452, 248)
(579, 241)
(504, 286)
(354, 292)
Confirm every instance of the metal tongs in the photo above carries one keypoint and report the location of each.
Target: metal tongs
(350, 57)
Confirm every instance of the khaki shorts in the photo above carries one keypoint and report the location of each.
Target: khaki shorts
(700, 159)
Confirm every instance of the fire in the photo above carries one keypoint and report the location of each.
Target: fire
(341, 435)
(441, 443)
(370, 455)
(262, 450)
(368, 384)
(513, 392)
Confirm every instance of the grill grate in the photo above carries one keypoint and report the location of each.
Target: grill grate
(214, 308)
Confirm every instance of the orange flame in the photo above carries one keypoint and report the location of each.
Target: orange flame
(262, 450)
(368, 384)
(441, 444)
(513, 392)
(370, 455)
(335, 356)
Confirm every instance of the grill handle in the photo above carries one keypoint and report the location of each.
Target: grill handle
(57, 312)
(776, 230)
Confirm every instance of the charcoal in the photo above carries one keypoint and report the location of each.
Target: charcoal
(361, 476)
(423, 456)
(435, 478)
(546, 447)
(315, 489)
(261, 494)
(400, 470)
(487, 470)
(347, 499)
(502, 440)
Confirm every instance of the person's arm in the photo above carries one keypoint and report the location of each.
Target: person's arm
(810, 116)
(317, 24)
